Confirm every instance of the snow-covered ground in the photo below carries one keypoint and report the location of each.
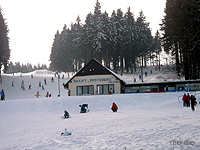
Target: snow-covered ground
(153, 121)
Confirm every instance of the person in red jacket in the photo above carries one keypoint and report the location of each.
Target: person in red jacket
(184, 99)
(114, 107)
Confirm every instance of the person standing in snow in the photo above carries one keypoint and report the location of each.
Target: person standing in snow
(184, 99)
(114, 107)
(45, 81)
(2, 95)
(193, 102)
(188, 100)
(110, 91)
(68, 92)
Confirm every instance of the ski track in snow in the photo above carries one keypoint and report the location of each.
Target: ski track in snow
(144, 121)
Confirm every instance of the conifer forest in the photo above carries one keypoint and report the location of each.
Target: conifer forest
(119, 41)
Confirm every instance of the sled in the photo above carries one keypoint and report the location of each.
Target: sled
(63, 117)
(66, 133)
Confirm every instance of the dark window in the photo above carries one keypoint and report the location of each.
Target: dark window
(85, 90)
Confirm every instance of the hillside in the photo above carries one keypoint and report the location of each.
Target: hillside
(143, 121)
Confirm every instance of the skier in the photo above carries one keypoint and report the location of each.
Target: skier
(12, 83)
(52, 80)
(83, 108)
(29, 87)
(114, 107)
(193, 102)
(37, 95)
(2, 95)
(66, 114)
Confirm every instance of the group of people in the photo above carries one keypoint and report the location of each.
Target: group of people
(189, 100)
(38, 94)
(84, 109)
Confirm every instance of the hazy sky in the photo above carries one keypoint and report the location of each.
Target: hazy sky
(33, 23)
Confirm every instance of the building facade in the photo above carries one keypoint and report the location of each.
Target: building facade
(94, 79)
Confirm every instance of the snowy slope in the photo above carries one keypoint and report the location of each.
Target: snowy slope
(144, 121)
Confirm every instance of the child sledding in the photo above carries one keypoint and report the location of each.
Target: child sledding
(66, 115)
(84, 108)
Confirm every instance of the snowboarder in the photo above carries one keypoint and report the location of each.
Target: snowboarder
(66, 114)
(12, 83)
(2, 95)
(42, 87)
(83, 108)
(193, 102)
(114, 107)
(37, 95)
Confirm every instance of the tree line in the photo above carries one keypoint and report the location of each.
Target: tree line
(24, 68)
(119, 42)
(181, 35)
(4, 43)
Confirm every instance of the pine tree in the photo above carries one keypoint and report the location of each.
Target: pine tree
(4, 43)
(181, 26)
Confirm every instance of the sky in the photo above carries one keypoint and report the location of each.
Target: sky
(33, 23)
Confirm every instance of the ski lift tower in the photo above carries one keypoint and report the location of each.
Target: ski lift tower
(58, 83)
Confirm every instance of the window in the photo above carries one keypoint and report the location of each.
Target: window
(103, 89)
(85, 90)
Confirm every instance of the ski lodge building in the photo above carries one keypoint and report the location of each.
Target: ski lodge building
(95, 79)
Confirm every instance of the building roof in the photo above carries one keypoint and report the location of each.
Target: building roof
(94, 67)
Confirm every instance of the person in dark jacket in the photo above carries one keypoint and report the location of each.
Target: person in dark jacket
(193, 102)
(188, 100)
(83, 108)
(114, 107)
(66, 114)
